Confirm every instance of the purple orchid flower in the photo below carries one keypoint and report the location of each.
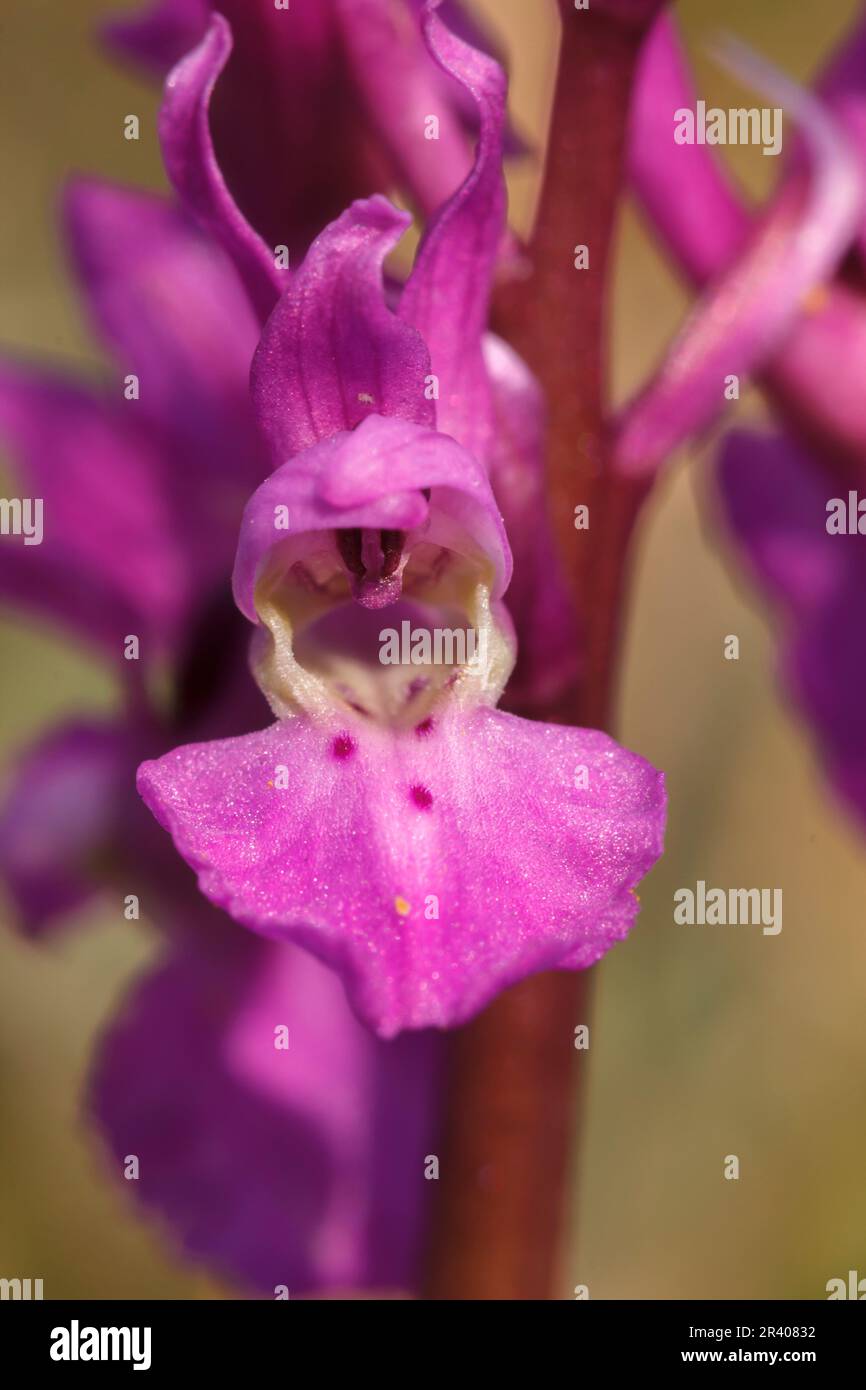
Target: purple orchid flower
(776, 489)
(376, 823)
(119, 556)
(184, 456)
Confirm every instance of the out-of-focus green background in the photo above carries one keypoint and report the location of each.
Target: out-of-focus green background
(704, 1042)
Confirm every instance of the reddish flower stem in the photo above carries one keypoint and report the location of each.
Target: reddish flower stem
(514, 1071)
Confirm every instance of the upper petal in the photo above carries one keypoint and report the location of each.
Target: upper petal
(332, 352)
(447, 295)
(109, 562)
(433, 867)
(539, 603)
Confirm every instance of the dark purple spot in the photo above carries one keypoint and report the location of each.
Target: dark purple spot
(422, 797)
(350, 546)
(392, 551)
(424, 728)
(343, 747)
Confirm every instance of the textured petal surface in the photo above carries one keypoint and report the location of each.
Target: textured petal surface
(291, 133)
(448, 292)
(299, 1166)
(332, 352)
(58, 817)
(109, 563)
(432, 868)
(745, 317)
(192, 166)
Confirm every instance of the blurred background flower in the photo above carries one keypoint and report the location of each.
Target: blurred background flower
(702, 1044)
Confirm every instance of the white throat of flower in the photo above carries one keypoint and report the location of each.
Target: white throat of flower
(319, 651)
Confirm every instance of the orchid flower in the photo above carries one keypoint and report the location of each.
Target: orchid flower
(776, 489)
(141, 544)
(121, 481)
(428, 847)
(217, 1100)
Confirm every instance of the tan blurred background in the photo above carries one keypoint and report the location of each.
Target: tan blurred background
(703, 1043)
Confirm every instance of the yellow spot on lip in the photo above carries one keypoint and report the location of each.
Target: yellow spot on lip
(402, 906)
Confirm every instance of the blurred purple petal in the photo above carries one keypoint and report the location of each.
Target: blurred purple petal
(109, 563)
(159, 37)
(428, 905)
(745, 317)
(775, 496)
(402, 90)
(174, 313)
(58, 818)
(300, 1166)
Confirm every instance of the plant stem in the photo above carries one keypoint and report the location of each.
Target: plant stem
(506, 1157)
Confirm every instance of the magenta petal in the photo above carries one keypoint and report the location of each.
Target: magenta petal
(301, 1167)
(192, 166)
(58, 818)
(448, 293)
(432, 868)
(159, 37)
(746, 315)
(332, 353)
(109, 563)
(174, 313)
